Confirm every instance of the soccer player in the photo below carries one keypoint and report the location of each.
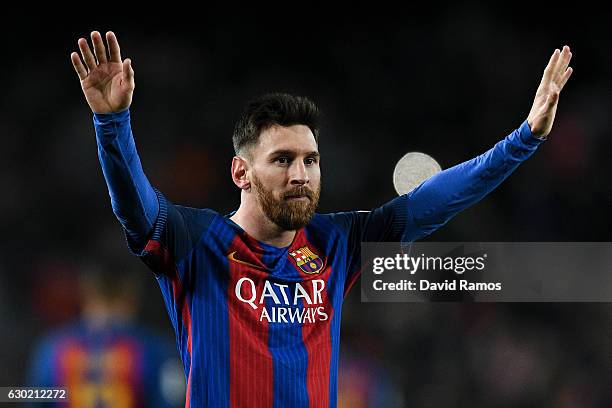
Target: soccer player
(255, 296)
(105, 359)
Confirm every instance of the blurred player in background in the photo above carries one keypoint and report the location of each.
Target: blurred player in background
(255, 296)
(105, 360)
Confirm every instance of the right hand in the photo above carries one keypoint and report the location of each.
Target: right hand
(107, 82)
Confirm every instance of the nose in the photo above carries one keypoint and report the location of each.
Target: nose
(299, 175)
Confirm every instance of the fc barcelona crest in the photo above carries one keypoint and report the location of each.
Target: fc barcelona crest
(306, 260)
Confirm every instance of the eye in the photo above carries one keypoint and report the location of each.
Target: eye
(310, 161)
(282, 160)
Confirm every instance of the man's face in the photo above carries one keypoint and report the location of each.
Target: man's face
(285, 175)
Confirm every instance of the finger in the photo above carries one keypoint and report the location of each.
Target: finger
(128, 71)
(564, 61)
(113, 47)
(550, 68)
(78, 66)
(565, 77)
(99, 50)
(88, 57)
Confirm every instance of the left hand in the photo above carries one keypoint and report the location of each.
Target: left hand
(556, 74)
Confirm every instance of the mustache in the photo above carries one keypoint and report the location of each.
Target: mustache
(300, 191)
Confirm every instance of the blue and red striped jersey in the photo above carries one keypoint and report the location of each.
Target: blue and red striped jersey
(257, 325)
(116, 365)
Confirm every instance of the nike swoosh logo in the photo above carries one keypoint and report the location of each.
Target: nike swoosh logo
(231, 257)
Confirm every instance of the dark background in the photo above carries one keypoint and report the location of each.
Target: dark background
(450, 82)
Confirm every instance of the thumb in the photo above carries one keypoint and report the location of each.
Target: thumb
(128, 71)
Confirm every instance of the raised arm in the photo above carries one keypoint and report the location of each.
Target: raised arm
(108, 85)
(438, 199)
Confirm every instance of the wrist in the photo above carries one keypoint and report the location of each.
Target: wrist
(110, 123)
(535, 133)
(111, 117)
(527, 136)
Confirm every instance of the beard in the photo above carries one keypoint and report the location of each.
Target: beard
(284, 212)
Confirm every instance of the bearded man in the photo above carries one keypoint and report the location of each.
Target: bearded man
(255, 296)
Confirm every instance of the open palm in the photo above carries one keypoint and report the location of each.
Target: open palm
(544, 108)
(106, 80)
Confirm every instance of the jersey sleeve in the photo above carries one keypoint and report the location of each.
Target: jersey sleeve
(133, 199)
(41, 364)
(41, 368)
(175, 232)
(386, 223)
(440, 198)
(437, 200)
(157, 231)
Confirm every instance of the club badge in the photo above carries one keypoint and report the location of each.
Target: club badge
(306, 260)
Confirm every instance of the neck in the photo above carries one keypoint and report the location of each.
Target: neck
(255, 223)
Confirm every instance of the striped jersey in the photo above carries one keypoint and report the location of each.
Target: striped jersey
(257, 325)
(116, 365)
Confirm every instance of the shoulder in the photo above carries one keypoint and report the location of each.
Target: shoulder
(200, 215)
(340, 220)
(334, 222)
(58, 337)
(185, 217)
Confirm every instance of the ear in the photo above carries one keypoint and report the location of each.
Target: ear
(239, 173)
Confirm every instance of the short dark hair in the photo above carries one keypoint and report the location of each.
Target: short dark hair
(274, 109)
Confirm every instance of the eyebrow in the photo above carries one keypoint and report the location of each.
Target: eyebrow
(292, 153)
